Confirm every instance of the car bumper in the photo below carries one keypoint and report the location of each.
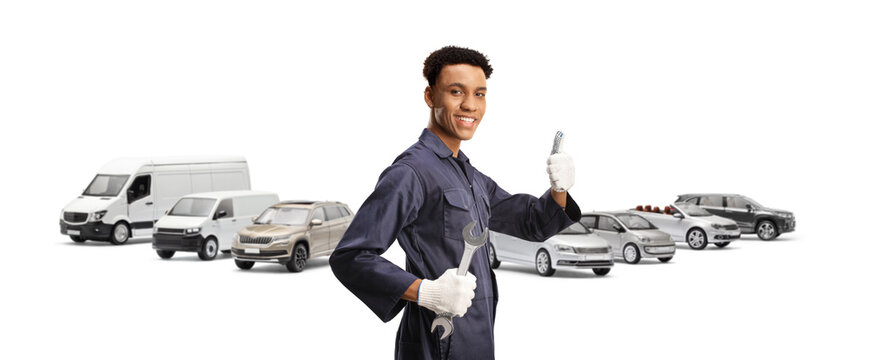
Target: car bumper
(88, 231)
(582, 261)
(262, 255)
(723, 235)
(658, 250)
(787, 225)
(177, 242)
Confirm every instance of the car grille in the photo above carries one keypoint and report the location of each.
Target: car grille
(262, 253)
(601, 250)
(255, 240)
(731, 227)
(75, 217)
(170, 231)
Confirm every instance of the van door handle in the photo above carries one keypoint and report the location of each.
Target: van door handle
(149, 203)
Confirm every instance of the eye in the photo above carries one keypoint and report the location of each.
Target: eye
(455, 92)
(480, 94)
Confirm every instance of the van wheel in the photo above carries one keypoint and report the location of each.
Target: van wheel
(493, 260)
(77, 239)
(209, 249)
(543, 264)
(696, 238)
(244, 265)
(297, 261)
(120, 233)
(722, 244)
(166, 254)
(601, 271)
(665, 259)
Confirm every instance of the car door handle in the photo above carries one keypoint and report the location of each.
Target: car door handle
(149, 203)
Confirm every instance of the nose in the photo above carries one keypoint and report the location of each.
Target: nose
(469, 103)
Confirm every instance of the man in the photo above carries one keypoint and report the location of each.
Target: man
(424, 199)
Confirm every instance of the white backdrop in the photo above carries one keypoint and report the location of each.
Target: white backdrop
(763, 98)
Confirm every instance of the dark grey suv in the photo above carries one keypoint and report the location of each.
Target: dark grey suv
(751, 216)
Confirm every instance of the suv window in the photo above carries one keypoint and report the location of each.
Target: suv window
(140, 188)
(606, 223)
(318, 214)
(735, 202)
(225, 205)
(344, 211)
(332, 213)
(693, 201)
(589, 221)
(712, 200)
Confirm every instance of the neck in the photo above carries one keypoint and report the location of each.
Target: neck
(451, 142)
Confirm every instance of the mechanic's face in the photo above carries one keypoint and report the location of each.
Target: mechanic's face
(458, 100)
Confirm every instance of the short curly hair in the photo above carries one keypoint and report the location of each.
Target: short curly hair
(452, 55)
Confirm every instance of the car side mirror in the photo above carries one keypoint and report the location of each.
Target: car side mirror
(220, 214)
(678, 215)
(254, 219)
(316, 222)
(618, 228)
(748, 208)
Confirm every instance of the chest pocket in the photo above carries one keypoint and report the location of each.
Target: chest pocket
(457, 212)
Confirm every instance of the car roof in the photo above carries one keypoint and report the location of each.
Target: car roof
(229, 194)
(306, 203)
(707, 194)
(611, 213)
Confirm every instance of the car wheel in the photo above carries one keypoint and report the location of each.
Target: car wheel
(722, 244)
(77, 239)
(665, 259)
(244, 265)
(543, 264)
(631, 253)
(493, 260)
(209, 249)
(697, 239)
(766, 230)
(166, 254)
(120, 233)
(298, 259)
(601, 271)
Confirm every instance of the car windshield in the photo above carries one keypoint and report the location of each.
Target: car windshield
(575, 228)
(193, 207)
(692, 210)
(106, 185)
(283, 216)
(635, 222)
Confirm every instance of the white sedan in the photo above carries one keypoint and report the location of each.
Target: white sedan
(692, 224)
(576, 247)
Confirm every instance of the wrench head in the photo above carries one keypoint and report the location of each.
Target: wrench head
(471, 239)
(445, 323)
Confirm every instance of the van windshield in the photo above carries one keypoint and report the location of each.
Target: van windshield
(575, 228)
(192, 207)
(106, 185)
(283, 216)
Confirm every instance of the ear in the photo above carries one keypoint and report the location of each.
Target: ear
(427, 96)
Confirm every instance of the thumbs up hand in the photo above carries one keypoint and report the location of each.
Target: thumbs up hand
(560, 167)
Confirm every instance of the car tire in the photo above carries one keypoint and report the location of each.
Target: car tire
(601, 271)
(298, 258)
(244, 265)
(631, 254)
(722, 244)
(493, 259)
(226, 251)
(166, 254)
(696, 238)
(766, 230)
(209, 249)
(77, 239)
(543, 263)
(665, 259)
(120, 233)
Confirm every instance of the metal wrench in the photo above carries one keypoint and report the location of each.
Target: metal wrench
(472, 243)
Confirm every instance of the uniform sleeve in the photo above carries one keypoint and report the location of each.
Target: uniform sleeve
(528, 217)
(357, 260)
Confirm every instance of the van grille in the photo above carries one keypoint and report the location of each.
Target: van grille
(731, 227)
(170, 231)
(75, 217)
(602, 250)
(262, 240)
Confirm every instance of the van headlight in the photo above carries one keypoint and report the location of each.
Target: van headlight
(191, 231)
(99, 215)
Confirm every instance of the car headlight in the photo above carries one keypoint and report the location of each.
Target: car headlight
(99, 215)
(784, 215)
(643, 239)
(236, 237)
(564, 248)
(190, 231)
(718, 226)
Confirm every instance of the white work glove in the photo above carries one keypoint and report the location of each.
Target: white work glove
(560, 166)
(451, 293)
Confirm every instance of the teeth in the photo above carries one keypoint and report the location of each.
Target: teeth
(466, 119)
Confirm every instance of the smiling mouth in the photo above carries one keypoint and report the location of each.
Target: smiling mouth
(465, 119)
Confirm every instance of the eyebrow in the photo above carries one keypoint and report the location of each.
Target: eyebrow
(463, 86)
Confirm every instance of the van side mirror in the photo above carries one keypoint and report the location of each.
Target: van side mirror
(220, 214)
(316, 222)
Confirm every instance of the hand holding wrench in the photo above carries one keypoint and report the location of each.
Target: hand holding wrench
(472, 243)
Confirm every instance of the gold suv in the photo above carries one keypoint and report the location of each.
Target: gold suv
(291, 232)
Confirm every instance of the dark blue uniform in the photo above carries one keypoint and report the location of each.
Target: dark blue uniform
(424, 200)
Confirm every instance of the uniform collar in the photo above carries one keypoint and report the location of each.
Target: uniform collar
(434, 143)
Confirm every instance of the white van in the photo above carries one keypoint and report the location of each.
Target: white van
(208, 222)
(128, 195)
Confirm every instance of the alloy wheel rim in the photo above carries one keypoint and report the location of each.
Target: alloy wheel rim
(766, 230)
(121, 233)
(300, 257)
(630, 254)
(695, 238)
(542, 262)
(211, 248)
(491, 256)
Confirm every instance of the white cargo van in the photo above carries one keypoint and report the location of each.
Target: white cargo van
(128, 195)
(208, 222)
